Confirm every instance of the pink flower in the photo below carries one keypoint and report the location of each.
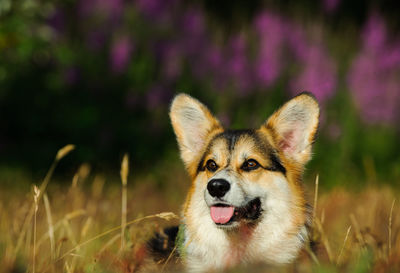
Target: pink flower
(270, 30)
(237, 64)
(374, 75)
(330, 5)
(374, 33)
(120, 54)
(172, 62)
(318, 74)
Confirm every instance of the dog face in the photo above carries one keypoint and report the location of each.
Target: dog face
(237, 167)
(246, 179)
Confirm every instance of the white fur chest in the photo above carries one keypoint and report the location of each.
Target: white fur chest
(215, 249)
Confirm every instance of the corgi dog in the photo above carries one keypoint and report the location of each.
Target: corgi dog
(246, 203)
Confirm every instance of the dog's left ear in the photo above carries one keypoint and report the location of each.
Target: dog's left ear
(293, 127)
(194, 125)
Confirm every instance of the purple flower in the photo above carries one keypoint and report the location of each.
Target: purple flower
(193, 34)
(193, 22)
(57, 20)
(151, 8)
(317, 76)
(297, 41)
(375, 89)
(214, 58)
(109, 9)
(172, 62)
(373, 77)
(237, 64)
(374, 33)
(120, 54)
(374, 92)
(156, 96)
(270, 30)
(267, 69)
(267, 22)
(158, 11)
(390, 58)
(330, 6)
(96, 39)
(215, 66)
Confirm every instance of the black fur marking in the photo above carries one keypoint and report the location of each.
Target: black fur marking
(232, 136)
(201, 167)
(276, 164)
(163, 243)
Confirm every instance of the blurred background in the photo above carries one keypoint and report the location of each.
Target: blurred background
(100, 74)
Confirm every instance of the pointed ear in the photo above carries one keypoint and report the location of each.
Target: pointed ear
(293, 127)
(194, 125)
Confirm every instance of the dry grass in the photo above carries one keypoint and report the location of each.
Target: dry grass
(82, 227)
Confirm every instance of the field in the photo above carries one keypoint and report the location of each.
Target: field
(93, 225)
(102, 73)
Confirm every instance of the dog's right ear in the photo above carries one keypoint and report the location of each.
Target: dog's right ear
(194, 125)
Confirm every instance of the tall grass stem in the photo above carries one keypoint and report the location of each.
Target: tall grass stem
(163, 215)
(36, 193)
(60, 154)
(50, 224)
(343, 246)
(124, 179)
(390, 229)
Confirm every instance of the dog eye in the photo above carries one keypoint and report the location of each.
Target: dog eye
(211, 165)
(250, 165)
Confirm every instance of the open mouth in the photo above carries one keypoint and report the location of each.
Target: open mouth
(223, 214)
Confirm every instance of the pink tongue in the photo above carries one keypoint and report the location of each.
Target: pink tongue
(221, 215)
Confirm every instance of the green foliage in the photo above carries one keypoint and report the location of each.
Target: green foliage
(58, 85)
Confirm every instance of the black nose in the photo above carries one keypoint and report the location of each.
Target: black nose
(218, 187)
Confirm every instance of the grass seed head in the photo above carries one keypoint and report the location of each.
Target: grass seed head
(64, 151)
(167, 216)
(36, 194)
(125, 169)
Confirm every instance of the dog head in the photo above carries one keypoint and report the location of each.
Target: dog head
(243, 176)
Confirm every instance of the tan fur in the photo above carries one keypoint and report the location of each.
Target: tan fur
(183, 107)
(280, 232)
